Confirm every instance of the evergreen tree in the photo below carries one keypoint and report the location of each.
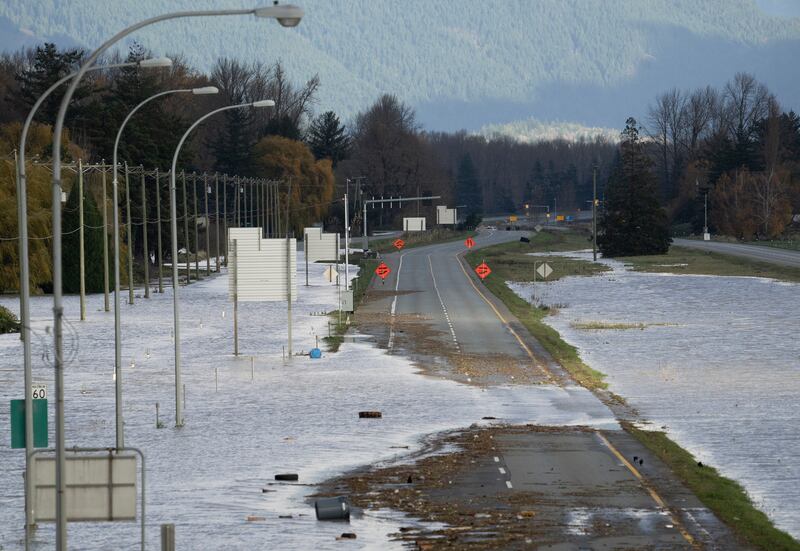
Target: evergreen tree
(92, 241)
(633, 221)
(468, 190)
(283, 126)
(50, 65)
(328, 138)
(151, 134)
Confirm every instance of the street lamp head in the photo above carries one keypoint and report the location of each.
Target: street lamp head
(263, 103)
(287, 15)
(156, 62)
(205, 90)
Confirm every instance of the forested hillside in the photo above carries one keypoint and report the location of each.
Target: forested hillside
(464, 63)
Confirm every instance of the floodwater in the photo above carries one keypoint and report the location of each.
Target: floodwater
(245, 421)
(721, 374)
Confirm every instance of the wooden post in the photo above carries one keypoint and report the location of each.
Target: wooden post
(81, 248)
(196, 235)
(144, 239)
(186, 230)
(130, 234)
(158, 234)
(206, 190)
(225, 215)
(216, 218)
(106, 305)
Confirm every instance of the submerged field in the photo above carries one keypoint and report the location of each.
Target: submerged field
(712, 360)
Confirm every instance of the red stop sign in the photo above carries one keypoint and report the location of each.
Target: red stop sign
(469, 243)
(382, 270)
(483, 270)
(399, 244)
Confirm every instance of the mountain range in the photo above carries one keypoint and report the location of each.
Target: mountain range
(464, 63)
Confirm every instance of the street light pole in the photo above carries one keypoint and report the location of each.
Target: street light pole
(174, 227)
(288, 16)
(120, 440)
(24, 275)
(594, 213)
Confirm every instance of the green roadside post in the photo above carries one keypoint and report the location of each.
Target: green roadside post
(39, 423)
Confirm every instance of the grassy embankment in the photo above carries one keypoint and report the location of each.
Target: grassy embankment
(725, 497)
(680, 260)
(509, 262)
(419, 239)
(360, 283)
(722, 495)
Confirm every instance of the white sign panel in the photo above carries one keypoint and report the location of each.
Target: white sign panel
(414, 224)
(445, 215)
(320, 246)
(98, 487)
(261, 269)
(347, 301)
(544, 270)
(39, 391)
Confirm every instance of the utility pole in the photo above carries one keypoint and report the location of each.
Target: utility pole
(237, 214)
(206, 192)
(185, 231)
(130, 234)
(106, 305)
(216, 218)
(144, 239)
(158, 234)
(81, 249)
(594, 213)
(555, 209)
(346, 243)
(705, 215)
(196, 235)
(225, 215)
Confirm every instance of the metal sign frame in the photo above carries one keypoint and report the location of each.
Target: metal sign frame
(109, 451)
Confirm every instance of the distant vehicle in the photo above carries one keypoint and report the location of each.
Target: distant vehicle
(369, 253)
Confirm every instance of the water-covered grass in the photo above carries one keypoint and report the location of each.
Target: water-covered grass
(359, 284)
(599, 325)
(722, 495)
(680, 260)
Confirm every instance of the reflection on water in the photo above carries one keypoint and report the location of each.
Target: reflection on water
(722, 372)
(266, 417)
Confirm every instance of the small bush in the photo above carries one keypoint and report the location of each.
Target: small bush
(8, 321)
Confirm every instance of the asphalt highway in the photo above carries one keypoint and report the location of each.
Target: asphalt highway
(642, 506)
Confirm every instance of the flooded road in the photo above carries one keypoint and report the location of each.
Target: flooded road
(258, 419)
(717, 364)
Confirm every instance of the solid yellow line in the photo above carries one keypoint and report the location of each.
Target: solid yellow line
(657, 498)
(497, 313)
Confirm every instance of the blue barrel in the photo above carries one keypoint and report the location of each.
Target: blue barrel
(315, 353)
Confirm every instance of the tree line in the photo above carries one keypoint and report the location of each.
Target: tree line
(734, 144)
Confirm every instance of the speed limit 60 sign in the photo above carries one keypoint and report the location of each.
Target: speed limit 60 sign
(39, 391)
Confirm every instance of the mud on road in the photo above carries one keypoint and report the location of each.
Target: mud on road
(478, 489)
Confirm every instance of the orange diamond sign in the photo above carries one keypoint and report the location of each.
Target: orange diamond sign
(483, 270)
(399, 244)
(469, 243)
(383, 270)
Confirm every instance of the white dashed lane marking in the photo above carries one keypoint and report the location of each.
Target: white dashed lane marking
(444, 308)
